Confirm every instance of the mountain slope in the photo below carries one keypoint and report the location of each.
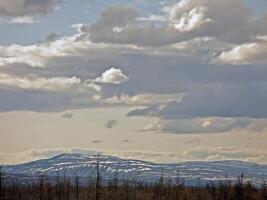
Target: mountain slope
(81, 165)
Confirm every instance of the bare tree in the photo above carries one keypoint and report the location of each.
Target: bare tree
(224, 189)
(58, 187)
(179, 184)
(77, 182)
(158, 189)
(41, 184)
(212, 190)
(1, 184)
(97, 186)
(239, 188)
(115, 184)
(135, 185)
(264, 190)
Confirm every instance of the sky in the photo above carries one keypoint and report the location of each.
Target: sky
(158, 80)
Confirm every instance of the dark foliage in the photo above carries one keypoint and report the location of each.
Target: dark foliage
(64, 189)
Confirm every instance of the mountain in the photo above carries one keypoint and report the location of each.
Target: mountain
(84, 166)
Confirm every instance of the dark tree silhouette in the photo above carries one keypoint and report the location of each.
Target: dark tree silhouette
(1, 183)
(97, 186)
(239, 188)
(77, 183)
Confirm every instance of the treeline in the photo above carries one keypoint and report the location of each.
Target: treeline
(72, 189)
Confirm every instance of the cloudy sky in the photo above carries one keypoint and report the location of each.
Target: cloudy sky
(159, 80)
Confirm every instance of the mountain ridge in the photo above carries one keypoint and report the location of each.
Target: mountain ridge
(193, 172)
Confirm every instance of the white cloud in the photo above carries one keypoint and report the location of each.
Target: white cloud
(155, 18)
(49, 84)
(205, 15)
(38, 55)
(112, 76)
(192, 21)
(22, 20)
(245, 54)
(154, 125)
(144, 99)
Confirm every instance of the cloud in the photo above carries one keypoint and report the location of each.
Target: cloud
(37, 154)
(43, 94)
(39, 55)
(193, 20)
(258, 126)
(205, 16)
(221, 100)
(143, 99)
(51, 37)
(151, 111)
(47, 84)
(245, 53)
(97, 141)
(67, 115)
(180, 22)
(196, 126)
(110, 123)
(18, 8)
(192, 154)
(121, 25)
(193, 141)
(226, 153)
(154, 125)
(112, 76)
(205, 125)
(176, 62)
(21, 20)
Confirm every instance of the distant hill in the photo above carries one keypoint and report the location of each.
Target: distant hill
(84, 166)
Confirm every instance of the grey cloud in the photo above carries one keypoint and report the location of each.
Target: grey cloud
(67, 115)
(97, 141)
(187, 19)
(229, 100)
(208, 125)
(221, 100)
(159, 71)
(193, 141)
(151, 111)
(204, 153)
(164, 75)
(37, 154)
(109, 124)
(18, 8)
(197, 125)
(43, 101)
(119, 25)
(51, 37)
(226, 153)
(258, 126)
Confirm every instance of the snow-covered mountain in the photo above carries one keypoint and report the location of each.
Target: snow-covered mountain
(195, 172)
